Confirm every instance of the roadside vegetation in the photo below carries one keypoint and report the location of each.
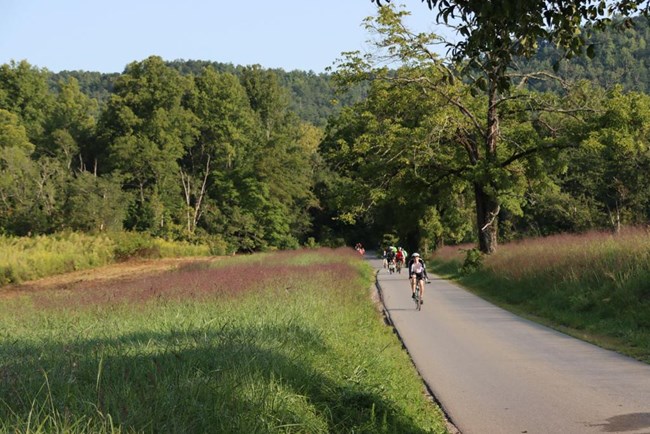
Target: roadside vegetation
(595, 286)
(29, 258)
(274, 342)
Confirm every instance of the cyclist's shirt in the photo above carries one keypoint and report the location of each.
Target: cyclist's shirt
(399, 256)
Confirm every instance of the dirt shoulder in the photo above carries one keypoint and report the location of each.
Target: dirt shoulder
(130, 270)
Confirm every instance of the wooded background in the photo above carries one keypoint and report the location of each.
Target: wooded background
(262, 158)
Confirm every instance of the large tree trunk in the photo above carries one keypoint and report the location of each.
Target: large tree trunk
(487, 207)
(487, 210)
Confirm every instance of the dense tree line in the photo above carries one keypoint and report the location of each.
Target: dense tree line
(312, 96)
(184, 156)
(255, 158)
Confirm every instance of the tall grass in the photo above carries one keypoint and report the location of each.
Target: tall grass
(33, 257)
(287, 342)
(597, 285)
(29, 258)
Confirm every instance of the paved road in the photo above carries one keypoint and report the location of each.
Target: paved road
(494, 372)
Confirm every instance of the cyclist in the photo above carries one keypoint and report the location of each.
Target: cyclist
(417, 274)
(385, 259)
(399, 258)
(390, 256)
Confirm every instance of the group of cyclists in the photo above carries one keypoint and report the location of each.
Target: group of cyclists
(393, 259)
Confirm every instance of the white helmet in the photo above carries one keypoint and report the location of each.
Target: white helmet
(415, 255)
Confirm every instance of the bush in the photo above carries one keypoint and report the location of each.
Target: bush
(311, 243)
(473, 261)
(389, 239)
(174, 249)
(218, 246)
(134, 244)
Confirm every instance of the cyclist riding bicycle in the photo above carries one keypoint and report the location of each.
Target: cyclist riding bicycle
(390, 255)
(399, 258)
(417, 274)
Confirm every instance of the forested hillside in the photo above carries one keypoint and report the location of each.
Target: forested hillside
(621, 56)
(311, 96)
(257, 158)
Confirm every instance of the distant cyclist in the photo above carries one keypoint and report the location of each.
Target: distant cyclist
(390, 255)
(417, 274)
(399, 258)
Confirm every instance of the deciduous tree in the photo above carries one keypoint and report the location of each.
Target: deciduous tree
(492, 35)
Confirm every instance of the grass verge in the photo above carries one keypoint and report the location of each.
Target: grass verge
(594, 286)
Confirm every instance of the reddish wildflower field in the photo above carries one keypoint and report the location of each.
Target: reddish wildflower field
(194, 280)
(592, 255)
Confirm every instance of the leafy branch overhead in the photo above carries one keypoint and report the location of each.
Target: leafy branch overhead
(494, 33)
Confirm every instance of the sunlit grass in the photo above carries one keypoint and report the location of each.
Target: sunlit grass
(291, 343)
(29, 258)
(596, 285)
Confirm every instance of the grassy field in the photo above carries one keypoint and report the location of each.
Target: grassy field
(287, 342)
(594, 286)
(29, 258)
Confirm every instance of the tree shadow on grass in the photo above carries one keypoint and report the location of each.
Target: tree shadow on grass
(223, 379)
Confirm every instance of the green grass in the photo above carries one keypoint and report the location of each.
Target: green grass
(594, 286)
(291, 343)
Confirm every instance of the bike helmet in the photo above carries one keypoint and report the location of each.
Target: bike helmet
(415, 255)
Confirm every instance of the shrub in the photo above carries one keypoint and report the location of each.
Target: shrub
(134, 244)
(311, 243)
(218, 246)
(473, 261)
(172, 249)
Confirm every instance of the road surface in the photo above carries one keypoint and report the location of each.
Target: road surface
(494, 372)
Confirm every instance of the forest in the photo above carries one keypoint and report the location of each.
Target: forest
(256, 159)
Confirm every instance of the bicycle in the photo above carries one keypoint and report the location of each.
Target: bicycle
(391, 267)
(418, 298)
(399, 266)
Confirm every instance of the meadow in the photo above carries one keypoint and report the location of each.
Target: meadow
(595, 286)
(29, 258)
(284, 342)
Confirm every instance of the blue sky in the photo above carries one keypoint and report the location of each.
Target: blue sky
(105, 36)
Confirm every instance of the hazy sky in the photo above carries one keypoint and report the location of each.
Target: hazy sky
(105, 35)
